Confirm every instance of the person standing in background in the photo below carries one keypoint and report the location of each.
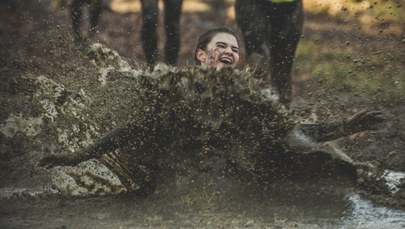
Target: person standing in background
(172, 12)
(271, 30)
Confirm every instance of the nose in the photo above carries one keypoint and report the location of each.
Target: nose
(228, 50)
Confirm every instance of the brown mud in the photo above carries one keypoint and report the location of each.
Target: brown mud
(38, 42)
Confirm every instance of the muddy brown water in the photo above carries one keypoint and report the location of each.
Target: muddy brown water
(203, 202)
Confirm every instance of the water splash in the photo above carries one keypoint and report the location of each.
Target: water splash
(367, 215)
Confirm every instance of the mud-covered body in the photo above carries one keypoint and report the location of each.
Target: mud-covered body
(199, 120)
(225, 122)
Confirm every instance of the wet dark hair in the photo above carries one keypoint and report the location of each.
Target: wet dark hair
(206, 38)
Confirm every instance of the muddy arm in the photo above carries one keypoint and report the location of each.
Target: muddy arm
(117, 138)
(134, 134)
(361, 121)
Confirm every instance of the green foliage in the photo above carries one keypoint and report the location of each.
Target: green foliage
(365, 11)
(391, 11)
(346, 69)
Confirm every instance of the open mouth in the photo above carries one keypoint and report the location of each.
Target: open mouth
(226, 60)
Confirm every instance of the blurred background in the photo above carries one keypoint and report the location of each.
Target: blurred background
(351, 56)
(347, 45)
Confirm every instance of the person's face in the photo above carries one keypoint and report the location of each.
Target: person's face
(222, 51)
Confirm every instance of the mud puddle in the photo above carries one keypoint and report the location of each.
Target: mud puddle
(204, 203)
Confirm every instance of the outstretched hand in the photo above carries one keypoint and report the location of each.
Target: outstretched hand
(364, 120)
(56, 159)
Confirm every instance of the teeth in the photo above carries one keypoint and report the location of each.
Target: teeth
(225, 61)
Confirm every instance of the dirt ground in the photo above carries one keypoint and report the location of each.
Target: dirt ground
(36, 40)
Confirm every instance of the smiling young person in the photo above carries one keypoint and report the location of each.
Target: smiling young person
(218, 48)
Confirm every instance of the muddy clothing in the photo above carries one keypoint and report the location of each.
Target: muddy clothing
(203, 120)
(131, 170)
(127, 152)
(172, 12)
(271, 31)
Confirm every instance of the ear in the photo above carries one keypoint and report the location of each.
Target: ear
(201, 55)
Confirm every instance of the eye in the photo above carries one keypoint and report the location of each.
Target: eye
(235, 50)
(220, 45)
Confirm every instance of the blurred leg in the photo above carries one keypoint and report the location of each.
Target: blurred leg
(76, 15)
(172, 28)
(253, 24)
(95, 13)
(286, 21)
(149, 36)
(251, 21)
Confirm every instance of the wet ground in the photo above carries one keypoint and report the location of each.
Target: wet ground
(222, 205)
(38, 42)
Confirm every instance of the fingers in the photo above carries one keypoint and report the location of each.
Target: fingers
(365, 120)
(377, 115)
(366, 116)
(358, 115)
(373, 117)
